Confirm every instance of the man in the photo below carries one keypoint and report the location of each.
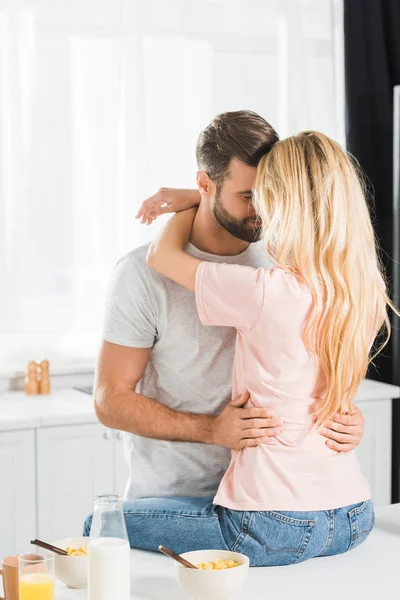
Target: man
(162, 377)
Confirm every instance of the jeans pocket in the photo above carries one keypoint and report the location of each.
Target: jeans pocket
(271, 539)
(362, 521)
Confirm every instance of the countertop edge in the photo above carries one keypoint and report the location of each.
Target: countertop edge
(77, 407)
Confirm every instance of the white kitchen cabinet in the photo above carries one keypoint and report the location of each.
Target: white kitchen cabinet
(18, 491)
(375, 449)
(121, 471)
(74, 463)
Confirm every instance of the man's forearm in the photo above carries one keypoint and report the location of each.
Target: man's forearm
(132, 412)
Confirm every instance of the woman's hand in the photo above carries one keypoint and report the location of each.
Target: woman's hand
(167, 200)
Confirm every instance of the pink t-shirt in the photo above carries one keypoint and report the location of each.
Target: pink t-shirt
(296, 471)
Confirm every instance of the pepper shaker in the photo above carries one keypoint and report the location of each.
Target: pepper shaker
(44, 377)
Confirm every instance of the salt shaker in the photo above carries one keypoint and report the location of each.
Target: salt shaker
(31, 379)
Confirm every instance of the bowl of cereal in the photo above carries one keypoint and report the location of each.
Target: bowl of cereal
(72, 569)
(220, 574)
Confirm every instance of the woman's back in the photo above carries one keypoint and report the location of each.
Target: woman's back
(296, 471)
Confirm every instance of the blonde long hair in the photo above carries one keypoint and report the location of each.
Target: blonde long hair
(317, 226)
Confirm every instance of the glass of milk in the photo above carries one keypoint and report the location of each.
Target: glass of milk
(109, 552)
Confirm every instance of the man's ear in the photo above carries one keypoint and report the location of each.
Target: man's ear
(205, 185)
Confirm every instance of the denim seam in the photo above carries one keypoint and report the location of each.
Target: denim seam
(359, 509)
(353, 514)
(168, 515)
(364, 531)
(330, 532)
(279, 517)
(246, 519)
(225, 514)
(306, 540)
(353, 529)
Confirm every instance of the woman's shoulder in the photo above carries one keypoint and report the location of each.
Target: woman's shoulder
(285, 281)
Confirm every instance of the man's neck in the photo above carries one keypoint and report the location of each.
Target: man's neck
(209, 236)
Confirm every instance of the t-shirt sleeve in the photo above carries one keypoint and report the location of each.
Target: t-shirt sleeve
(129, 318)
(230, 295)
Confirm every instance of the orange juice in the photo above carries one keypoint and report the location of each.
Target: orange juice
(36, 586)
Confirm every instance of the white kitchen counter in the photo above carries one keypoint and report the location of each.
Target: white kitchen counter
(70, 407)
(388, 518)
(61, 407)
(375, 390)
(369, 572)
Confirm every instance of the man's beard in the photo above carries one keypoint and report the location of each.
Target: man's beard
(248, 229)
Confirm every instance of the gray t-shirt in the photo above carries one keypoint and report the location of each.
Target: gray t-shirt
(190, 369)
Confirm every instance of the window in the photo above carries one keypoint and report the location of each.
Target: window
(101, 103)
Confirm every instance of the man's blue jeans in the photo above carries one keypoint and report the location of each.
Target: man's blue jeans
(268, 538)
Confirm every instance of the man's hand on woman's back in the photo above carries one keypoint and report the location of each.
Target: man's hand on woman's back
(344, 432)
(238, 427)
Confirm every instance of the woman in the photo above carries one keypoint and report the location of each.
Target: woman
(305, 331)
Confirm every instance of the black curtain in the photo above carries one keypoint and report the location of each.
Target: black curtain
(372, 68)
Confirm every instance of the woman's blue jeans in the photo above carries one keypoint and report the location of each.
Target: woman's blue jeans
(268, 538)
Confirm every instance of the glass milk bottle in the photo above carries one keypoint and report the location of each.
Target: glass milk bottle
(109, 552)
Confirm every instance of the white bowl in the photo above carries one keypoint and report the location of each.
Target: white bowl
(72, 570)
(212, 585)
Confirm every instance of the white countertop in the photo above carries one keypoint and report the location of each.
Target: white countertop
(70, 407)
(368, 572)
(388, 518)
(61, 407)
(375, 390)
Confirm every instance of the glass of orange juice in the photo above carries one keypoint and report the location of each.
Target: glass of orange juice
(36, 577)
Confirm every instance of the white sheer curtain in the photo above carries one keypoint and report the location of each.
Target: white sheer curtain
(101, 102)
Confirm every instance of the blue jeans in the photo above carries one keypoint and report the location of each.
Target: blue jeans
(268, 538)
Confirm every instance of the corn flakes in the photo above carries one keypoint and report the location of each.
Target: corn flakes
(218, 565)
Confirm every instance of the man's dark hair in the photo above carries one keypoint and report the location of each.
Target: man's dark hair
(242, 134)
